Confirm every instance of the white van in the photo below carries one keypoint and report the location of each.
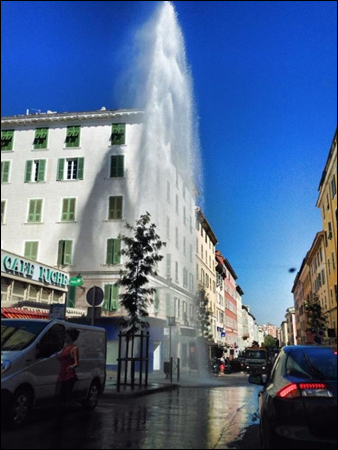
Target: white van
(29, 365)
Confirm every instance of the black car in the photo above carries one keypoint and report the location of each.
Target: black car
(298, 403)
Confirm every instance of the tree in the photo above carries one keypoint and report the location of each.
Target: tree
(142, 250)
(203, 315)
(316, 320)
(269, 341)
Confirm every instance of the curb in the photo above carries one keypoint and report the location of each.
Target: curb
(138, 393)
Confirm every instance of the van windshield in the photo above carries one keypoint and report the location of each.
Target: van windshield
(18, 334)
(252, 354)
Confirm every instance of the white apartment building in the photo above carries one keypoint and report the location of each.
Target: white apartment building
(69, 184)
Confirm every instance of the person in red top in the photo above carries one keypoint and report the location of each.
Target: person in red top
(69, 359)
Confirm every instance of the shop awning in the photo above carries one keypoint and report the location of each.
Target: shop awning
(19, 313)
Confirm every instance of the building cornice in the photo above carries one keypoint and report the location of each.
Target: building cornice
(49, 117)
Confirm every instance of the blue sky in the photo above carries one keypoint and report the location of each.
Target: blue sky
(265, 84)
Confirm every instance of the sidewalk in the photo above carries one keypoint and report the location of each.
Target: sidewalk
(157, 382)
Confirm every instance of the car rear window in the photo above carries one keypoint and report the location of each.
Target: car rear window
(313, 364)
(255, 355)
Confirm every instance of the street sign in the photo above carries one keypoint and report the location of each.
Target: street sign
(57, 311)
(76, 281)
(95, 296)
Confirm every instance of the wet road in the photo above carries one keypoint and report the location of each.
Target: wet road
(189, 418)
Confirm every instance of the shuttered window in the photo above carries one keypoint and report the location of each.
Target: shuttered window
(70, 169)
(35, 171)
(117, 166)
(7, 140)
(118, 134)
(35, 211)
(5, 166)
(73, 137)
(31, 250)
(3, 211)
(65, 253)
(113, 251)
(41, 138)
(111, 297)
(115, 208)
(68, 210)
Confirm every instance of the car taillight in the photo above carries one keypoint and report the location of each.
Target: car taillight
(315, 390)
(294, 390)
(289, 391)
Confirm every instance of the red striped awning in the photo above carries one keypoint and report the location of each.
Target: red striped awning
(19, 313)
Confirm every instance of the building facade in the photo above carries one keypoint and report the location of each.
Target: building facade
(206, 266)
(327, 203)
(71, 181)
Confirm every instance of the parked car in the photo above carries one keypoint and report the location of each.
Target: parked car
(30, 367)
(298, 403)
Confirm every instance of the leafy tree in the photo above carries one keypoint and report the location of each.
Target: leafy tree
(203, 315)
(269, 341)
(316, 320)
(142, 250)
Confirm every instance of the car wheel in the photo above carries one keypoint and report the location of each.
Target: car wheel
(92, 396)
(21, 407)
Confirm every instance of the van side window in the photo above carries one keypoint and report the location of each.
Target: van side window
(52, 341)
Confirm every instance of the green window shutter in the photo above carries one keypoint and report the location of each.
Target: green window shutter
(60, 253)
(71, 296)
(31, 250)
(110, 249)
(41, 170)
(41, 137)
(68, 210)
(67, 255)
(7, 140)
(28, 171)
(107, 297)
(5, 165)
(118, 134)
(117, 250)
(35, 210)
(115, 208)
(117, 166)
(80, 168)
(73, 137)
(60, 170)
(115, 297)
(3, 206)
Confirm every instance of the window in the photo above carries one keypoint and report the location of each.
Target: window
(70, 169)
(118, 134)
(330, 230)
(168, 228)
(168, 265)
(176, 271)
(7, 140)
(35, 211)
(115, 208)
(176, 237)
(31, 250)
(73, 137)
(333, 187)
(68, 210)
(111, 296)
(41, 137)
(5, 167)
(65, 253)
(3, 211)
(185, 277)
(333, 261)
(177, 204)
(168, 191)
(117, 166)
(113, 251)
(35, 171)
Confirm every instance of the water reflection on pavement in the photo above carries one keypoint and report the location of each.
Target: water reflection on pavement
(189, 418)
